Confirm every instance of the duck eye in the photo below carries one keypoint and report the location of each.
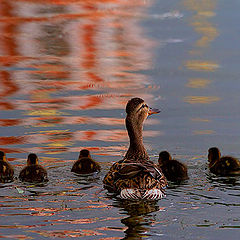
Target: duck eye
(143, 106)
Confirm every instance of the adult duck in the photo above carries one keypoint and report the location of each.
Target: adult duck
(33, 172)
(6, 170)
(85, 164)
(225, 165)
(136, 177)
(172, 169)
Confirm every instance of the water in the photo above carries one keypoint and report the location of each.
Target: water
(67, 69)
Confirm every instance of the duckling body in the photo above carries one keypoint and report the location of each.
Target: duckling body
(33, 172)
(6, 170)
(172, 169)
(136, 177)
(85, 164)
(223, 166)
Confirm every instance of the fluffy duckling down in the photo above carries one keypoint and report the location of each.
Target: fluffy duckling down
(172, 169)
(33, 172)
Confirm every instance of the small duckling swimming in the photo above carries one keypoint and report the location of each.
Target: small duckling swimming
(172, 169)
(33, 172)
(225, 165)
(6, 170)
(85, 164)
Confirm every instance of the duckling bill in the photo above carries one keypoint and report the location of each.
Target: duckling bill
(85, 164)
(6, 170)
(33, 172)
(223, 166)
(135, 177)
(172, 169)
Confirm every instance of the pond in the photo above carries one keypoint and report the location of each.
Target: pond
(67, 70)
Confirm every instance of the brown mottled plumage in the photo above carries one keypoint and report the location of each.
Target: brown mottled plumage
(33, 172)
(223, 166)
(6, 170)
(85, 164)
(135, 177)
(172, 169)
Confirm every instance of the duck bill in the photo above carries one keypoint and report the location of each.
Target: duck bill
(153, 111)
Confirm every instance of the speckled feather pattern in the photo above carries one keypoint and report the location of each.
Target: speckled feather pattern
(142, 180)
(6, 172)
(33, 173)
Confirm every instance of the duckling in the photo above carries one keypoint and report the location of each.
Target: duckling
(6, 170)
(135, 177)
(172, 169)
(33, 172)
(225, 165)
(85, 164)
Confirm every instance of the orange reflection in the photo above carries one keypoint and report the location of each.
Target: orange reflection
(67, 233)
(59, 58)
(200, 120)
(11, 236)
(63, 136)
(203, 12)
(202, 65)
(7, 47)
(198, 83)
(201, 99)
(204, 132)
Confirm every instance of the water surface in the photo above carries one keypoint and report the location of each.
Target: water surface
(67, 69)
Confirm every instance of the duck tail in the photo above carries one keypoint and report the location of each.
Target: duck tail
(137, 194)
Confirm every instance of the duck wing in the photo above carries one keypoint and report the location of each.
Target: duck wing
(128, 169)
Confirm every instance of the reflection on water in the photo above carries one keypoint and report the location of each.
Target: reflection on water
(60, 59)
(201, 23)
(139, 220)
(67, 69)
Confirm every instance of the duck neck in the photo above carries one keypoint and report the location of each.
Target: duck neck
(214, 158)
(136, 148)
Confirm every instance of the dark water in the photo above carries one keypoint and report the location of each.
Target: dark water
(67, 69)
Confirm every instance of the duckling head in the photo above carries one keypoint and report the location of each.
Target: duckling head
(84, 153)
(2, 156)
(32, 159)
(213, 154)
(164, 157)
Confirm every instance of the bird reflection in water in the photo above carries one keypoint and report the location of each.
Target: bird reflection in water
(141, 217)
(223, 180)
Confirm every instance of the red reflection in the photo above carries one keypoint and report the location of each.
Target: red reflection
(7, 47)
(68, 233)
(49, 61)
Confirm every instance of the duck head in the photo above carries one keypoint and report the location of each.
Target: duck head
(32, 159)
(2, 156)
(213, 155)
(164, 157)
(84, 153)
(137, 111)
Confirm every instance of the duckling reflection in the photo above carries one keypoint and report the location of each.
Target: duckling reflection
(141, 217)
(223, 166)
(136, 177)
(172, 169)
(6, 170)
(85, 164)
(33, 172)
